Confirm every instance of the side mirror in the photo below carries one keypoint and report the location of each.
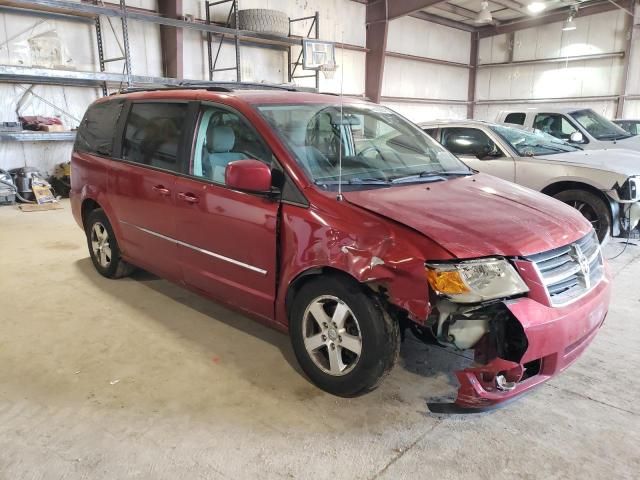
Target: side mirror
(576, 137)
(248, 175)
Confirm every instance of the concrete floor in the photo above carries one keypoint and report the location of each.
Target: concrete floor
(138, 378)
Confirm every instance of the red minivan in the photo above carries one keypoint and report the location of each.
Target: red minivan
(342, 224)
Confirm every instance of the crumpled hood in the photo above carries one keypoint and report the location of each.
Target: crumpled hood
(478, 215)
(619, 160)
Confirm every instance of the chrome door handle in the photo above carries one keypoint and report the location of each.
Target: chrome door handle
(188, 197)
(162, 190)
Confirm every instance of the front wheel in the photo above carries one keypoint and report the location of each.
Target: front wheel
(592, 207)
(343, 339)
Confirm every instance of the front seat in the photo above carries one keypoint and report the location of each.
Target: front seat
(312, 159)
(218, 147)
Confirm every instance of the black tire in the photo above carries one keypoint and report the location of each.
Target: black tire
(592, 207)
(115, 267)
(263, 20)
(379, 333)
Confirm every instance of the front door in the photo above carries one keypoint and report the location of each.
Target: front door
(227, 238)
(475, 148)
(142, 186)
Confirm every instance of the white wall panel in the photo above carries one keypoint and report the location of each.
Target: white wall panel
(595, 34)
(415, 79)
(413, 36)
(421, 112)
(493, 49)
(632, 109)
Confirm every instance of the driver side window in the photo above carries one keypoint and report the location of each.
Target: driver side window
(554, 124)
(470, 142)
(223, 137)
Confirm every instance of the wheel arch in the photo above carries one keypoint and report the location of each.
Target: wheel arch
(561, 186)
(310, 273)
(88, 206)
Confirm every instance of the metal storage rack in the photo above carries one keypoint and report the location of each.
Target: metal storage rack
(273, 41)
(93, 13)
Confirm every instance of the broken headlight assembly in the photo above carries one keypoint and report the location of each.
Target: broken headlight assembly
(474, 281)
(630, 189)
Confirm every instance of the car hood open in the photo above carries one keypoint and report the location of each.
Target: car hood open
(478, 215)
(618, 160)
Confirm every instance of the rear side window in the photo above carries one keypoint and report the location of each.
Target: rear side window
(516, 118)
(153, 134)
(96, 131)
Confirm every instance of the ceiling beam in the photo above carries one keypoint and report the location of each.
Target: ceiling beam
(558, 15)
(457, 10)
(513, 6)
(443, 21)
(383, 10)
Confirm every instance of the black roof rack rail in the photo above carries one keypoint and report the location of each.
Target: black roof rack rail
(216, 87)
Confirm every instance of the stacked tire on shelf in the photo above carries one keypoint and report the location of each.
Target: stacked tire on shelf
(263, 20)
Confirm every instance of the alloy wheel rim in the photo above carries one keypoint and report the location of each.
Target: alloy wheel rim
(100, 244)
(332, 335)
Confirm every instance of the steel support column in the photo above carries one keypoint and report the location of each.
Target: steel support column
(171, 39)
(473, 73)
(376, 48)
(630, 27)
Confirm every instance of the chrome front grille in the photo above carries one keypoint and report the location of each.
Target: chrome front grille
(571, 271)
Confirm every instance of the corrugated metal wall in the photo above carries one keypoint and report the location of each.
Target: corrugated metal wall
(597, 34)
(417, 79)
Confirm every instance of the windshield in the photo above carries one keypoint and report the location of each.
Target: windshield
(376, 145)
(598, 126)
(529, 144)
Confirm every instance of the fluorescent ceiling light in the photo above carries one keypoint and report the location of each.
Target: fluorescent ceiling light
(484, 15)
(536, 7)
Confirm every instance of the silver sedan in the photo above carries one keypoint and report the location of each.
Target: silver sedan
(604, 185)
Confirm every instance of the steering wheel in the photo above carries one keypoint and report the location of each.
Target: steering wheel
(368, 149)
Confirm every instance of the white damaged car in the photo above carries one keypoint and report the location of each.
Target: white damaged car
(604, 185)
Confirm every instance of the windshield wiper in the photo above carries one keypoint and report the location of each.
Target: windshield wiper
(548, 147)
(614, 136)
(431, 176)
(354, 181)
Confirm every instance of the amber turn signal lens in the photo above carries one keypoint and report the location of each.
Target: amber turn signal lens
(446, 282)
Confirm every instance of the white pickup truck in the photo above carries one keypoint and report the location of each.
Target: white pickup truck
(577, 125)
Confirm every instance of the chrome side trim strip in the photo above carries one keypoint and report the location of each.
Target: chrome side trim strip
(198, 249)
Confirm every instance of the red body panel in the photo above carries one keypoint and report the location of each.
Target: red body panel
(381, 237)
(144, 204)
(478, 215)
(234, 225)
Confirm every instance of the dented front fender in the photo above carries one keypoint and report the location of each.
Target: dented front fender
(390, 258)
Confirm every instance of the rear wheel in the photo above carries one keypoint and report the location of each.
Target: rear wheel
(103, 246)
(343, 339)
(592, 207)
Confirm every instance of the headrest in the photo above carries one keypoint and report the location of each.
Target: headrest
(220, 139)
